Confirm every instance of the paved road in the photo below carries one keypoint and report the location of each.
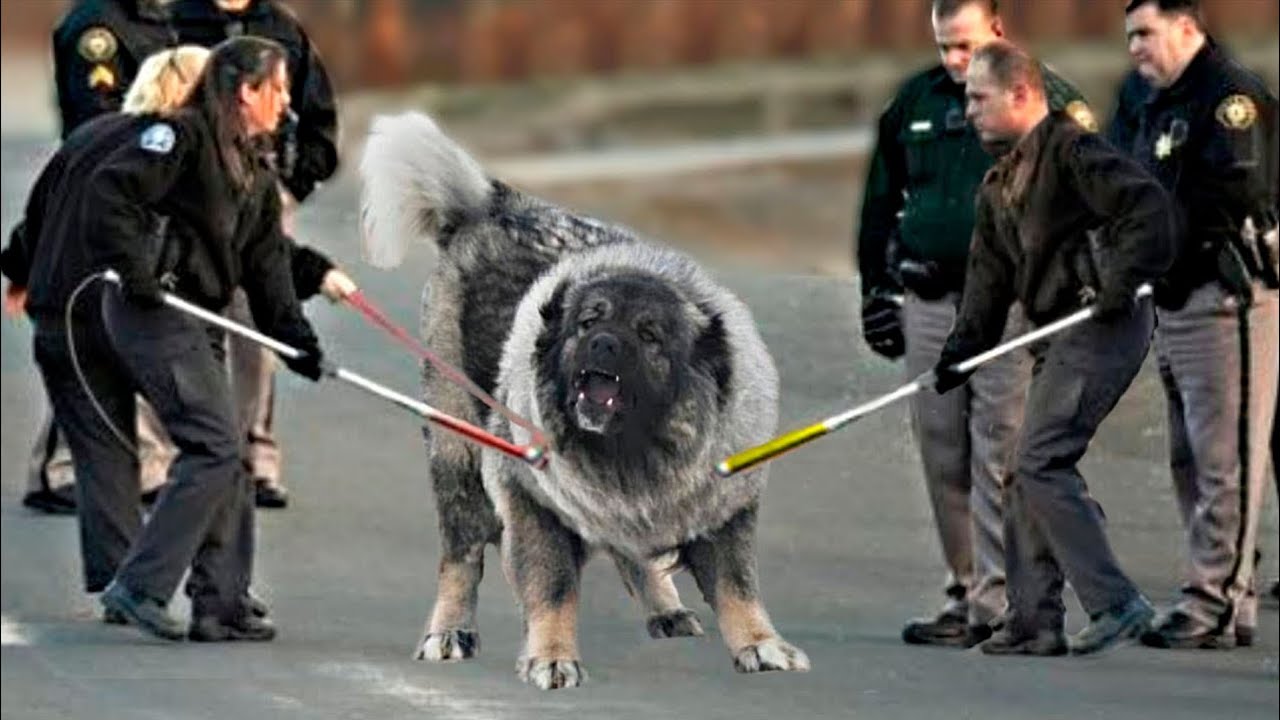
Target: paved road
(846, 554)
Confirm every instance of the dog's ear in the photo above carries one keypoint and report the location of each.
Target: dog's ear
(549, 338)
(711, 355)
(552, 311)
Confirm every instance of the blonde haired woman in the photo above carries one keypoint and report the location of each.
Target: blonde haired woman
(163, 82)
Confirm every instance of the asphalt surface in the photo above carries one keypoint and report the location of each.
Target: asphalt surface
(847, 553)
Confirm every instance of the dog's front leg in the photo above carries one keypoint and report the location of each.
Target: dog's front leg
(724, 565)
(543, 561)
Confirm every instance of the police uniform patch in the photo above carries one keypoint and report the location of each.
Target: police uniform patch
(158, 138)
(1236, 112)
(1079, 111)
(102, 78)
(97, 45)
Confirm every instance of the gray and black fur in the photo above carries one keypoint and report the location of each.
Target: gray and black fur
(643, 371)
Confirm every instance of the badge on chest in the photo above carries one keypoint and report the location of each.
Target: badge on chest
(1171, 139)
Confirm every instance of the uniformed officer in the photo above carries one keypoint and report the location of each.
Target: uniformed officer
(308, 155)
(1206, 127)
(917, 221)
(98, 47)
(1062, 219)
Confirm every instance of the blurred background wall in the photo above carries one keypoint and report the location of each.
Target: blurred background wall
(390, 42)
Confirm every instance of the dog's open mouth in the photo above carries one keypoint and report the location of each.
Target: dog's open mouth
(599, 396)
(601, 388)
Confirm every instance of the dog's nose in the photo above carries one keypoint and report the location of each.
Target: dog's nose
(604, 346)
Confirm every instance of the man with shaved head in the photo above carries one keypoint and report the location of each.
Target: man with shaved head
(1063, 220)
(917, 219)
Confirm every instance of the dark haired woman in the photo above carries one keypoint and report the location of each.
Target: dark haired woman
(205, 170)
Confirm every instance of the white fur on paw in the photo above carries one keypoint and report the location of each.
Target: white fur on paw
(772, 654)
(449, 646)
(676, 623)
(552, 674)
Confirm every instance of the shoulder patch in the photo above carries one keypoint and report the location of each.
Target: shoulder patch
(1237, 112)
(158, 138)
(97, 44)
(1078, 110)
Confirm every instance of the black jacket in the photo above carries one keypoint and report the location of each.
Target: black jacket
(1211, 140)
(308, 150)
(46, 253)
(149, 198)
(97, 48)
(1037, 209)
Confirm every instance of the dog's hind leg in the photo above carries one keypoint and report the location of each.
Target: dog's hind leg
(467, 524)
(651, 583)
(543, 562)
(724, 565)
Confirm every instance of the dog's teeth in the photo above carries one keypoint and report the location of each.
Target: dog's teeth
(617, 378)
(608, 403)
(582, 395)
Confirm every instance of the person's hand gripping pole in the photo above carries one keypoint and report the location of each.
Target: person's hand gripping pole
(535, 456)
(765, 452)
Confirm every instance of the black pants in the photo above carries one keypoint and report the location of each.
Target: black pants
(106, 470)
(1052, 525)
(204, 518)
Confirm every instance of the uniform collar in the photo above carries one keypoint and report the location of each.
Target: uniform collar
(208, 11)
(940, 80)
(149, 10)
(1196, 70)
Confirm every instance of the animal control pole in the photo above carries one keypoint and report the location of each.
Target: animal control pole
(535, 456)
(751, 457)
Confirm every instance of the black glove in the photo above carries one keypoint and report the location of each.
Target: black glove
(310, 364)
(882, 325)
(143, 291)
(1115, 305)
(945, 379)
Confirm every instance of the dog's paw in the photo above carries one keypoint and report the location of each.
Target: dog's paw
(676, 623)
(551, 674)
(449, 646)
(771, 654)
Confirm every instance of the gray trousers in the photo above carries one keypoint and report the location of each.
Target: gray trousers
(1053, 526)
(254, 379)
(204, 518)
(967, 439)
(1220, 380)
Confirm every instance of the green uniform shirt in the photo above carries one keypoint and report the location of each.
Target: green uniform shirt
(925, 173)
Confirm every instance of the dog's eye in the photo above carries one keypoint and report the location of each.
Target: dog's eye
(648, 337)
(586, 323)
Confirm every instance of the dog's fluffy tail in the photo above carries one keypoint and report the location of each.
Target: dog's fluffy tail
(414, 177)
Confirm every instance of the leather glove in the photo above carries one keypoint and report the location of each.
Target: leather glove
(337, 285)
(143, 291)
(882, 325)
(1115, 306)
(945, 379)
(310, 364)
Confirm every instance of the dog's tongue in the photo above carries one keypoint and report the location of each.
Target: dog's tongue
(602, 388)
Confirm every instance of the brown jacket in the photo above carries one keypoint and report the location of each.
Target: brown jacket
(1061, 212)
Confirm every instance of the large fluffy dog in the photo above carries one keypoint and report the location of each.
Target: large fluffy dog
(643, 371)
